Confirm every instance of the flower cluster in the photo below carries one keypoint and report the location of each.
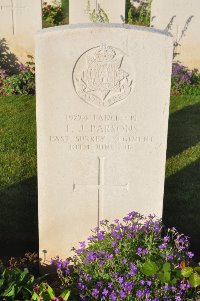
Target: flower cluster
(23, 82)
(52, 14)
(136, 259)
(185, 81)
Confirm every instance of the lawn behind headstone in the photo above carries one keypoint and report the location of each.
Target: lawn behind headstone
(18, 182)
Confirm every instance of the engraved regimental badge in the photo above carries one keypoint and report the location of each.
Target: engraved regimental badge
(99, 78)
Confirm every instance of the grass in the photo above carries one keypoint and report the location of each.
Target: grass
(18, 182)
(182, 185)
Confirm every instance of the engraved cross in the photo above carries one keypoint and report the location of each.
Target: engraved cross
(101, 186)
(13, 8)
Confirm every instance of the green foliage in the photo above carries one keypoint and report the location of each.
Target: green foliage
(192, 274)
(21, 83)
(15, 284)
(45, 292)
(149, 268)
(167, 273)
(52, 14)
(140, 14)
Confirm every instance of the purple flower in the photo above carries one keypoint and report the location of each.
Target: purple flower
(95, 293)
(142, 252)
(101, 235)
(113, 296)
(133, 269)
(166, 238)
(23, 68)
(103, 222)
(139, 294)
(122, 294)
(163, 246)
(105, 292)
(190, 254)
(149, 282)
(183, 286)
(120, 279)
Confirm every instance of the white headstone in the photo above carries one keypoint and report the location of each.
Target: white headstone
(79, 10)
(102, 118)
(19, 21)
(182, 19)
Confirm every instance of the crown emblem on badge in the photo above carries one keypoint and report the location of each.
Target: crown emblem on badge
(99, 79)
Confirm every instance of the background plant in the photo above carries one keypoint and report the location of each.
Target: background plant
(19, 284)
(134, 260)
(52, 14)
(185, 81)
(21, 83)
(97, 15)
(139, 12)
(15, 284)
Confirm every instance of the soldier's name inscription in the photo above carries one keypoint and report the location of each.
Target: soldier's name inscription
(100, 133)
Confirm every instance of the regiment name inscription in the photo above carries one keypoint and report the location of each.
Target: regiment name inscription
(100, 132)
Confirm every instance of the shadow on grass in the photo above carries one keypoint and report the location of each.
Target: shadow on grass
(184, 130)
(19, 219)
(182, 203)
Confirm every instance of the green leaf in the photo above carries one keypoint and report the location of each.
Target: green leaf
(174, 281)
(161, 277)
(35, 297)
(167, 267)
(197, 269)
(194, 280)
(186, 272)
(167, 277)
(9, 292)
(150, 268)
(65, 295)
(22, 276)
(50, 292)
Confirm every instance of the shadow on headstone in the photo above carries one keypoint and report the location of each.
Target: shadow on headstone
(182, 206)
(184, 130)
(19, 219)
(8, 60)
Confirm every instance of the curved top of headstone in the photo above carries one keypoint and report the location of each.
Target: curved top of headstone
(102, 25)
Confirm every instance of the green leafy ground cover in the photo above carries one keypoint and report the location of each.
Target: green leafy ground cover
(18, 182)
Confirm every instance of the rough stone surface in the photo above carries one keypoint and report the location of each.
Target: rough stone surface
(102, 117)
(182, 19)
(78, 12)
(19, 21)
